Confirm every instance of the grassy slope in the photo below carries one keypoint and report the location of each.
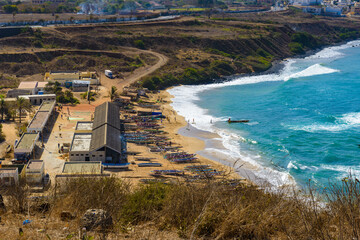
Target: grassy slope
(202, 210)
(200, 50)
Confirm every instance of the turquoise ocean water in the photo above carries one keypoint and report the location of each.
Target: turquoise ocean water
(304, 121)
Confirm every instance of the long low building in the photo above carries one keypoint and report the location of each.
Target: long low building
(38, 99)
(80, 169)
(39, 121)
(104, 142)
(25, 148)
(69, 76)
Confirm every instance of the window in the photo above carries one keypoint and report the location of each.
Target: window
(77, 154)
(93, 155)
(86, 154)
(72, 154)
(100, 155)
(81, 154)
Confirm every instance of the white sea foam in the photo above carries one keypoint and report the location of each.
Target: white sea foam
(333, 52)
(313, 70)
(343, 171)
(185, 99)
(344, 122)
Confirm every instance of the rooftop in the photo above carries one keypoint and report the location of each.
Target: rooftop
(46, 106)
(27, 141)
(84, 126)
(27, 85)
(62, 72)
(81, 142)
(35, 164)
(8, 170)
(42, 84)
(108, 136)
(107, 113)
(82, 167)
(39, 120)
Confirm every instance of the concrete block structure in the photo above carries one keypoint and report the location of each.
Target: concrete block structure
(25, 148)
(35, 172)
(9, 176)
(67, 76)
(80, 169)
(39, 121)
(39, 99)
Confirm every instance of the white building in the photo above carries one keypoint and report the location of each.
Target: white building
(306, 2)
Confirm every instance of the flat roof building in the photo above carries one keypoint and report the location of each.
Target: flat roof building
(84, 126)
(81, 169)
(37, 99)
(9, 176)
(39, 121)
(31, 86)
(35, 171)
(68, 76)
(25, 147)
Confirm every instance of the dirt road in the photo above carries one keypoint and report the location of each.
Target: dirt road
(106, 82)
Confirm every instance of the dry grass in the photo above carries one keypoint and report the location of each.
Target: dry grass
(206, 210)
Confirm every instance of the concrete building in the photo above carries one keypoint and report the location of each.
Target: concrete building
(68, 76)
(27, 88)
(80, 169)
(80, 85)
(305, 2)
(39, 98)
(9, 176)
(14, 93)
(35, 172)
(39, 121)
(105, 142)
(25, 148)
(83, 126)
(41, 86)
(30, 86)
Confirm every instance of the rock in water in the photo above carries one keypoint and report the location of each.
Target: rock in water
(96, 218)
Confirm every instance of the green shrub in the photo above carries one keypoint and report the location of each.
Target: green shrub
(139, 44)
(296, 48)
(144, 203)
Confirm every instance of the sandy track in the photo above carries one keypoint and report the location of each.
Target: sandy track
(119, 83)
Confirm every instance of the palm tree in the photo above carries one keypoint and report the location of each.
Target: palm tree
(22, 104)
(3, 108)
(113, 93)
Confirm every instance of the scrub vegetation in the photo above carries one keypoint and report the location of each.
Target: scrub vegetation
(208, 209)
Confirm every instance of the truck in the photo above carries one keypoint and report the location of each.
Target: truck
(109, 74)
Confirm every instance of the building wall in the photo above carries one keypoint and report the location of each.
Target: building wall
(35, 175)
(38, 99)
(97, 156)
(9, 178)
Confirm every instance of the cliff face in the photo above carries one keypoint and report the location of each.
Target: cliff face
(200, 50)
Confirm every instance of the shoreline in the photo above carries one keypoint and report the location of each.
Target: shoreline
(241, 167)
(192, 139)
(197, 141)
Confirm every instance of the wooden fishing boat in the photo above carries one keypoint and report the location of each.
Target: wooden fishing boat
(149, 164)
(238, 121)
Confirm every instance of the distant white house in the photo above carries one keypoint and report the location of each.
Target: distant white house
(306, 2)
(333, 11)
(316, 10)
